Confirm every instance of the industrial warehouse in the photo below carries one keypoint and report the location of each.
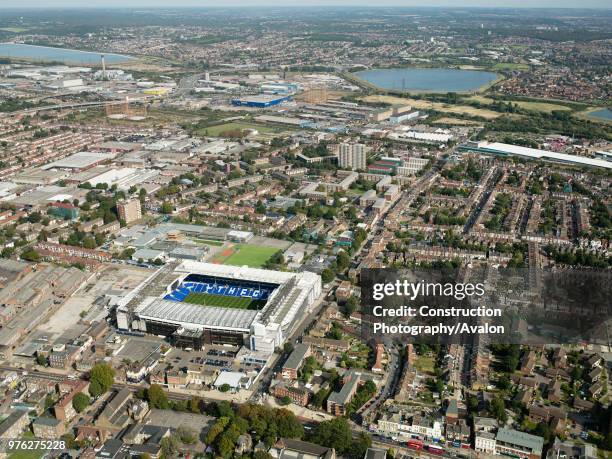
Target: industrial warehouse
(260, 101)
(194, 303)
(504, 149)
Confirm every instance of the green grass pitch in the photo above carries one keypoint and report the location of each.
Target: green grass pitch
(254, 256)
(207, 299)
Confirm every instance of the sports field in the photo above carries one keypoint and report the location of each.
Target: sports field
(254, 256)
(207, 299)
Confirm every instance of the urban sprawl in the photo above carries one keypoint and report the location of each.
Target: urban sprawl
(188, 202)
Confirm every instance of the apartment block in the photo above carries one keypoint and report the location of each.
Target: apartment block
(353, 156)
(129, 210)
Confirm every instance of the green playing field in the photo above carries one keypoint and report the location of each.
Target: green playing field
(251, 255)
(207, 299)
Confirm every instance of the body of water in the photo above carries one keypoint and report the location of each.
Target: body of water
(48, 54)
(428, 80)
(604, 113)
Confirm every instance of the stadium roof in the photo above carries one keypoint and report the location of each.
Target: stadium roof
(234, 272)
(190, 315)
(533, 153)
(282, 307)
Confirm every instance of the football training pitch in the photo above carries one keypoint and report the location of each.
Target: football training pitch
(236, 302)
(254, 256)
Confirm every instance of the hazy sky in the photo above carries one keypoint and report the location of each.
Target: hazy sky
(225, 3)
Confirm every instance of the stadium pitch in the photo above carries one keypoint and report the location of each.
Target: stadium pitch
(236, 302)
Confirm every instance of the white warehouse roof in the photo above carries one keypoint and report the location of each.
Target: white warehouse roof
(533, 153)
(79, 160)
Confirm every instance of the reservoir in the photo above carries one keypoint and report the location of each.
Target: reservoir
(605, 114)
(48, 54)
(428, 80)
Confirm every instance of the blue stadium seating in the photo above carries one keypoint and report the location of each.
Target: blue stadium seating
(225, 287)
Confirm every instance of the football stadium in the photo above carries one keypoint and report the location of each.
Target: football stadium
(194, 303)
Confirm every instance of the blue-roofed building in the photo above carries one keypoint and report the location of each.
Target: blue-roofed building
(260, 101)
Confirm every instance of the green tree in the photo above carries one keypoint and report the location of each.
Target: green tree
(288, 347)
(157, 397)
(71, 443)
(226, 444)
(498, 409)
(224, 387)
(49, 401)
(89, 243)
(186, 435)
(327, 276)
(335, 433)
(100, 239)
(472, 403)
(170, 446)
(350, 306)
(101, 379)
(216, 429)
(319, 397)
(504, 382)
(79, 402)
(576, 373)
(30, 255)
(288, 425)
(260, 208)
(167, 208)
(195, 404)
(224, 408)
(360, 446)
(343, 260)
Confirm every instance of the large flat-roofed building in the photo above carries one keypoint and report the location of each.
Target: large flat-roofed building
(506, 150)
(261, 101)
(124, 177)
(412, 166)
(511, 442)
(196, 303)
(80, 161)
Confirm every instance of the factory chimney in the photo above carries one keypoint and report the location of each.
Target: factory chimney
(103, 68)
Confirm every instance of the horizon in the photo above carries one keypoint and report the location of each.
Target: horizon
(432, 4)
